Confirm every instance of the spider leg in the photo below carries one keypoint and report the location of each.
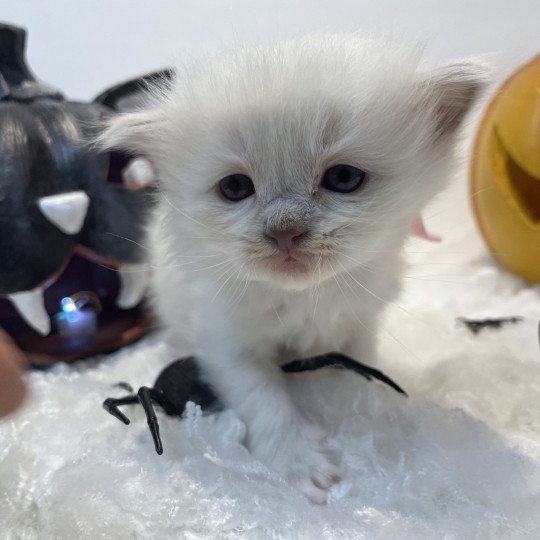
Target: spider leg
(111, 406)
(125, 386)
(341, 360)
(366, 371)
(146, 396)
(317, 362)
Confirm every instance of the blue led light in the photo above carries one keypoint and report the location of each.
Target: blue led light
(68, 305)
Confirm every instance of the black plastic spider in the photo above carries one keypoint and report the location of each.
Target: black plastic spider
(180, 382)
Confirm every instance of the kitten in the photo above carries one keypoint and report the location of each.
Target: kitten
(289, 177)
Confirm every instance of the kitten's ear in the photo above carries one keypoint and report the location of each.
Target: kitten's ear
(451, 91)
(129, 132)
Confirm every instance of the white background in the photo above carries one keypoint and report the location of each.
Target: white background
(83, 46)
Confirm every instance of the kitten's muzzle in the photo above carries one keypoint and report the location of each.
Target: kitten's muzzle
(286, 239)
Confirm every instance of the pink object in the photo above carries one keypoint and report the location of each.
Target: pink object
(418, 229)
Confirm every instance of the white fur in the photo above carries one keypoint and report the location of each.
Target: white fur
(282, 115)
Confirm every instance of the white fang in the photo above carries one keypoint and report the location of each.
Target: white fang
(138, 173)
(65, 210)
(31, 307)
(133, 284)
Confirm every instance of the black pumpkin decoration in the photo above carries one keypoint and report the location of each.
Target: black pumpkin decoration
(70, 218)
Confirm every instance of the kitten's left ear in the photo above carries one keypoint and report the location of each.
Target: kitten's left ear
(451, 91)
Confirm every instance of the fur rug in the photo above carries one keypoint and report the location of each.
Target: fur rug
(460, 458)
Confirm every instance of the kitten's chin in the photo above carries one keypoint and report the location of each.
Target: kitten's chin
(291, 282)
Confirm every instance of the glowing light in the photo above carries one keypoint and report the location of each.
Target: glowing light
(68, 305)
(74, 319)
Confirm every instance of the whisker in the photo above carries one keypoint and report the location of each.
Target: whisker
(146, 248)
(277, 315)
(183, 265)
(386, 331)
(335, 276)
(378, 269)
(238, 283)
(429, 263)
(226, 262)
(436, 278)
(243, 292)
(219, 233)
(317, 289)
(376, 296)
(223, 271)
(222, 285)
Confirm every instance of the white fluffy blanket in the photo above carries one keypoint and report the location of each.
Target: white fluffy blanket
(460, 458)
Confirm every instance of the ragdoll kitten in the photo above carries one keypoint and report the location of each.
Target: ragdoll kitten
(289, 177)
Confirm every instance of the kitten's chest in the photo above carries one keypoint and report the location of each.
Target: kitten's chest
(310, 324)
(283, 324)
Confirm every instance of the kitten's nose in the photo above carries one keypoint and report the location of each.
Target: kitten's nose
(286, 239)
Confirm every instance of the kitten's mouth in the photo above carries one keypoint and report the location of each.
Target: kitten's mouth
(294, 266)
(291, 264)
(293, 269)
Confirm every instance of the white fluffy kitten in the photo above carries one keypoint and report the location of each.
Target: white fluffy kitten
(290, 175)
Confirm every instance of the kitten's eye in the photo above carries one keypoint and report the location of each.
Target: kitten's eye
(343, 178)
(236, 187)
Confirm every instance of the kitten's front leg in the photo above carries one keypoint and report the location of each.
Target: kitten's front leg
(277, 434)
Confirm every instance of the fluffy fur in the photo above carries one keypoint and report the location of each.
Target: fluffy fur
(282, 115)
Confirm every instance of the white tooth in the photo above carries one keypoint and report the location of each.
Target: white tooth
(138, 173)
(133, 284)
(65, 210)
(31, 307)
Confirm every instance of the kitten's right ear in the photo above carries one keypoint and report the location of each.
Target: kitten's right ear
(129, 128)
(128, 132)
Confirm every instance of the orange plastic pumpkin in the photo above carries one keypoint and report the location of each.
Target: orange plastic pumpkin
(505, 173)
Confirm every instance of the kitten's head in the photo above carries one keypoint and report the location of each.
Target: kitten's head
(299, 160)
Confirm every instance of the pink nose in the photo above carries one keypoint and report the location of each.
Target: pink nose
(286, 239)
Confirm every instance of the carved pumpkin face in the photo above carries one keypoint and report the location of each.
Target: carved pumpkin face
(505, 173)
(67, 210)
(59, 198)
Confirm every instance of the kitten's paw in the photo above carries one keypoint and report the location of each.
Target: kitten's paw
(313, 474)
(302, 458)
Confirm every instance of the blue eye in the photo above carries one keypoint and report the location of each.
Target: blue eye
(343, 178)
(236, 187)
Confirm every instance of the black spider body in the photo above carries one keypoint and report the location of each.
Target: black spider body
(181, 382)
